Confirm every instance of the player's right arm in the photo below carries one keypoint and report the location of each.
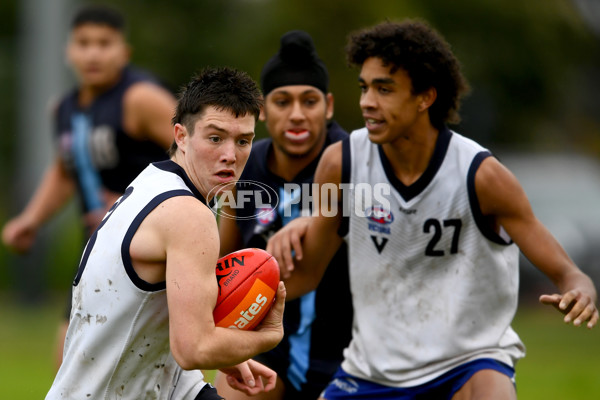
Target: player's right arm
(315, 239)
(54, 191)
(182, 234)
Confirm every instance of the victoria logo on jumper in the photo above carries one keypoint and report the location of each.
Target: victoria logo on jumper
(379, 215)
(379, 218)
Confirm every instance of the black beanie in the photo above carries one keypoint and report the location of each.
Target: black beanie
(296, 63)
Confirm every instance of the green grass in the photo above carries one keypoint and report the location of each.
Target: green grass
(561, 362)
(27, 337)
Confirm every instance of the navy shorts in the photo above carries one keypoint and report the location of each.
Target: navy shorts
(345, 386)
(208, 392)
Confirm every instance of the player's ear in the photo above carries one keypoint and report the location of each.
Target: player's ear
(181, 136)
(127, 50)
(427, 98)
(262, 116)
(329, 102)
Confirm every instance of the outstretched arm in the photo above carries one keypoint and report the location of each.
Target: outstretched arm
(500, 195)
(313, 240)
(54, 191)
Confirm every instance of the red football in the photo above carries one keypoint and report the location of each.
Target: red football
(248, 281)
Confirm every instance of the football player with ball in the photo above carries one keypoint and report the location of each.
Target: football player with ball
(142, 322)
(434, 272)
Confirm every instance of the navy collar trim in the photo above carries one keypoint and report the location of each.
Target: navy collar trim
(172, 166)
(411, 191)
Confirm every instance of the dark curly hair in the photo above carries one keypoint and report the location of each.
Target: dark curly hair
(424, 54)
(224, 88)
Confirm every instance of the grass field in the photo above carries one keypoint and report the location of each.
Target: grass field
(561, 363)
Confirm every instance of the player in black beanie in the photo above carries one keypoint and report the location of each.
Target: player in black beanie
(297, 112)
(296, 63)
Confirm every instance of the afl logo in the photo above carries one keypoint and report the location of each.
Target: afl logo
(379, 215)
(248, 195)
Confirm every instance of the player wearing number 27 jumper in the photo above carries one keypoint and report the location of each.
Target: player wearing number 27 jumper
(433, 252)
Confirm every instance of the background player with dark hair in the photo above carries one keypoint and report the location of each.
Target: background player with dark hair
(434, 263)
(110, 127)
(297, 113)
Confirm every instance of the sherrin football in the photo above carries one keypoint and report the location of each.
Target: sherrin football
(248, 281)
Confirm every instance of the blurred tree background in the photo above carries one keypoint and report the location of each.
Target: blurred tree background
(533, 67)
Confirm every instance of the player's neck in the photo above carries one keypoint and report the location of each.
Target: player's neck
(88, 93)
(288, 166)
(410, 155)
(285, 166)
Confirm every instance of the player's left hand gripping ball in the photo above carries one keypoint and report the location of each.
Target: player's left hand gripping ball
(248, 281)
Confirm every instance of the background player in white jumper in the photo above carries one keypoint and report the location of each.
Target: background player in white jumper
(146, 288)
(433, 262)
